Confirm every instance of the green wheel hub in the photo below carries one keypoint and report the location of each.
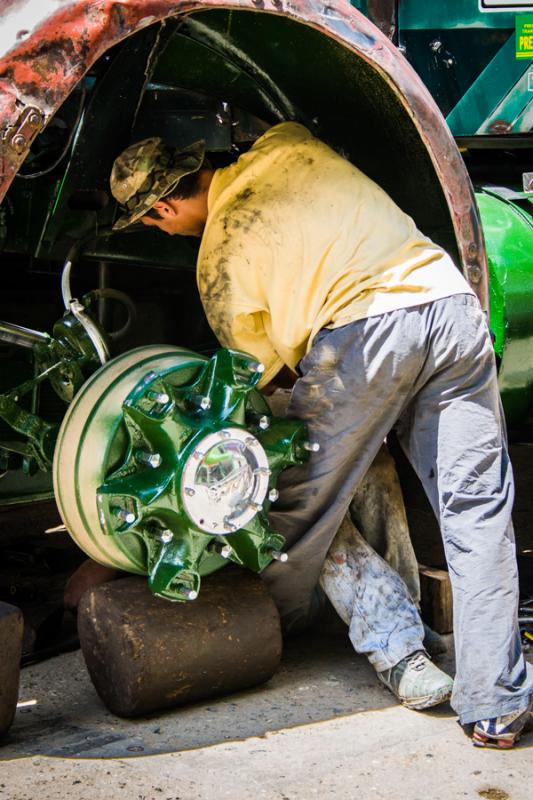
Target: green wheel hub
(166, 465)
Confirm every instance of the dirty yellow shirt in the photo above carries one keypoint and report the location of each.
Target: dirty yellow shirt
(298, 239)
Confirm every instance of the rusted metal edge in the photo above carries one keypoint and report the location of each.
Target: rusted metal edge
(47, 60)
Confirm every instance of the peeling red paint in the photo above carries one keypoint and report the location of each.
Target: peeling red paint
(42, 69)
(501, 126)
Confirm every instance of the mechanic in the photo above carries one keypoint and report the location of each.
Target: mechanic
(310, 266)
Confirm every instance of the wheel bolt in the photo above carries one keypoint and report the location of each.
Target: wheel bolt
(256, 366)
(124, 515)
(153, 460)
(273, 495)
(277, 555)
(190, 594)
(264, 423)
(313, 447)
(166, 536)
(159, 397)
(203, 403)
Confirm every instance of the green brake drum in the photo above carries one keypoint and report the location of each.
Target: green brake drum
(166, 465)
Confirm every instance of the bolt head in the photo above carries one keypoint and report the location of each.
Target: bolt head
(474, 273)
(264, 423)
(18, 143)
(273, 495)
(312, 447)
(256, 366)
(166, 536)
(153, 460)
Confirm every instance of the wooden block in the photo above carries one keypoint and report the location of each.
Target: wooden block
(436, 599)
(11, 629)
(144, 653)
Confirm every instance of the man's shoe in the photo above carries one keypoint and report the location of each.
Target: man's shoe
(505, 731)
(433, 642)
(417, 682)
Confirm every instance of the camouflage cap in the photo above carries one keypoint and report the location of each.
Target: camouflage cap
(148, 171)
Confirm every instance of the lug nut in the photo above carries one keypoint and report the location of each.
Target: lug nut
(150, 459)
(159, 397)
(256, 366)
(277, 555)
(190, 594)
(203, 403)
(273, 495)
(312, 447)
(166, 536)
(264, 423)
(124, 515)
(225, 551)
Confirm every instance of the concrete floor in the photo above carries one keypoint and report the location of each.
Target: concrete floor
(322, 727)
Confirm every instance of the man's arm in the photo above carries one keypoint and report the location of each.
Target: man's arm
(242, 329)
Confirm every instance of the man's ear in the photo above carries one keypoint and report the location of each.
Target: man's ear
(165, 208)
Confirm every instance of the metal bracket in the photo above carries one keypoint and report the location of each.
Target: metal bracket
(28, 125)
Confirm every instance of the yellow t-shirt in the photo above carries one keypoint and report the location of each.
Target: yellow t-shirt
(298, 239)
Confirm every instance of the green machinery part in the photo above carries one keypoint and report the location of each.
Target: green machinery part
(166, 465)
(64, 359)
(507, 218)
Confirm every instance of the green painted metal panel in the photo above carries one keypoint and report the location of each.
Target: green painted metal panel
(508, 228)
(468, 59)
(419, 14)
(499, 95)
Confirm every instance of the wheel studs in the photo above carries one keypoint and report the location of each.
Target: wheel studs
(256, 366)
(152, 460)
(161, 398)
(197, 401)
(189, 594)
(124, 515)
(312, 447)
(277, 555)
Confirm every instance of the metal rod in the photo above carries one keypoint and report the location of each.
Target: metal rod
(25, 337)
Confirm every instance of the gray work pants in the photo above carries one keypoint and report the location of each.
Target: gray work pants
(431, 369)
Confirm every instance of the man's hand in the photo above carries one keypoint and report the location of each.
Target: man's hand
(284, 379)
